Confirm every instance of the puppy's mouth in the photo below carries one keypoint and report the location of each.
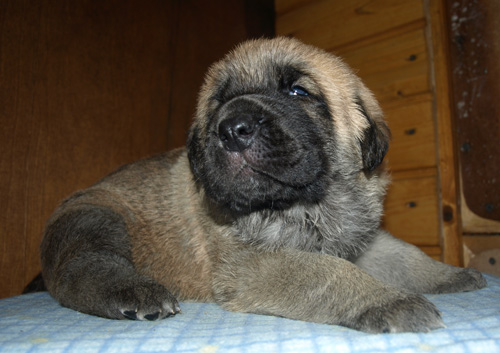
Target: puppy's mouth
(254, 148)
(245, 166)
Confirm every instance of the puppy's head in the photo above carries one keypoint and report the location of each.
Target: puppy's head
(277, 122)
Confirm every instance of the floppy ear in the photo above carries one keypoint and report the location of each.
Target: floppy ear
(375, 140)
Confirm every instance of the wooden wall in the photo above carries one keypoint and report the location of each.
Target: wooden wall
(86, 86)
(474, 34)
(399, 50)
(475, 67)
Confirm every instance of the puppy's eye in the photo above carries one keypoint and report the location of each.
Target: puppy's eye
(298, 91)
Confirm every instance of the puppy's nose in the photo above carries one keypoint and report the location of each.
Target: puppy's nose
(237, 133)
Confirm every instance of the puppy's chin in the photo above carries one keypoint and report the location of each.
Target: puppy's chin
(253, 196)
(243, 187)
(249, 166)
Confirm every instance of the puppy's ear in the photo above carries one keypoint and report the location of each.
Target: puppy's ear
(375, 140)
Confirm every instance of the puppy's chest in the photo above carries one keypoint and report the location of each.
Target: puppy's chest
(302, 233)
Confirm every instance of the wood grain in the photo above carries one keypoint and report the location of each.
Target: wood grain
(413, 143)
(395, 68)
(204, 32)
(450, 219)
(433, 251)
(82, 91)
(330, 24)
(410, 210)
(474, 224)
(475, 50)
(282, 6)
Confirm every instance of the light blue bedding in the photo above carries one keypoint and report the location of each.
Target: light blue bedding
(36, 323)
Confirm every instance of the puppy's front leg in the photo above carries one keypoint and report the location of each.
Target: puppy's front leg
(87, 266)
(405, 266)
(318, 288)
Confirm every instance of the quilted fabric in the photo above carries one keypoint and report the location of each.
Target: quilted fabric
(37, 323)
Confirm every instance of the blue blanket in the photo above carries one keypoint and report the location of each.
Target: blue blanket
(36, 323)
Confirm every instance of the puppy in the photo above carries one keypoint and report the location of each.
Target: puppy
(273, 207)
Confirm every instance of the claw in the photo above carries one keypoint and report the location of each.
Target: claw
(130, 314)
(152, 317)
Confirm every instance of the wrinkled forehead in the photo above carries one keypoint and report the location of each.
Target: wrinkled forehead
(259, 64)
(257, 67)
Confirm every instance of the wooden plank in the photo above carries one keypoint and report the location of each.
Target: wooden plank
(191, 59)
(447, 160)
(394, 69)
(83, 87)
(399, 52)
(472, 223)
(371, 38)
(398, 84)
(199, 42)
(414, 99)
(413, 142)
(330, 24)
(475, 72)
(414, 173)
(433, 251)
(411, 209)
(479, 243)
(475, 244)
(282, 6)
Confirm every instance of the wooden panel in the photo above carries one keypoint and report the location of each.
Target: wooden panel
(479, 243)
(395, 68)
(433, 251)
(411, 210)
(473, 224)
(447, 160)
(475, 52)
(333, 23)
(476, 244)
(205, 32)
(282, 6)
(83, 91)
(413, 137)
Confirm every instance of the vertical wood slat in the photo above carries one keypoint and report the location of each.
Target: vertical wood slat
(448, 177)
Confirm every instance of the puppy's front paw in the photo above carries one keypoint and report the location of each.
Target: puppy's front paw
(144, 301)
(463, 280)
(412, 313)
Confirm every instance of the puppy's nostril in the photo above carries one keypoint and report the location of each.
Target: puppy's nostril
(237, 133)
(244, 130)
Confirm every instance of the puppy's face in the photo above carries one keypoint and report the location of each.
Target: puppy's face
(265, 135)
